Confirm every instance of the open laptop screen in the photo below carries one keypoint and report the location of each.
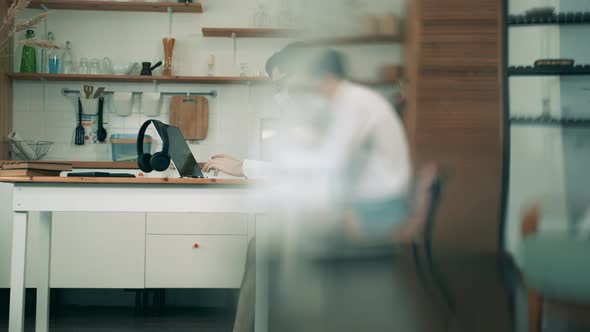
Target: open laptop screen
(180, 153)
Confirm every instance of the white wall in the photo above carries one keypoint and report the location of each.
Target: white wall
(42, 113)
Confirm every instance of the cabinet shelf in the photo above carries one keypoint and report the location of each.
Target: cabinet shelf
(286, 33)
(356, 40)
(136, 79)
(131, 6)
(249, 32)
(550, 121)
(535, 71)
(164, 79)
(558, 19)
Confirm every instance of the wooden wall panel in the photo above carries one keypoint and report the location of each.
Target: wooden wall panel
(454, 114)
(5, 89)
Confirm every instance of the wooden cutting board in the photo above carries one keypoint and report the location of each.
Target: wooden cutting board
(191, 115)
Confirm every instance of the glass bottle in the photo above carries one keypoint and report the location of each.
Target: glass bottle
(67, 60)
(211, 65)
(29, 57)
(84, 69)
(285, 17)
(52, 57)
(261, 18)
(94, 67)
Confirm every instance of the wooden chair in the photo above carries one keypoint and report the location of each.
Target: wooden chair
(419, 229)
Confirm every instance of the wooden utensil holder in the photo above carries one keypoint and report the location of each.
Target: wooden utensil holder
(168, 51)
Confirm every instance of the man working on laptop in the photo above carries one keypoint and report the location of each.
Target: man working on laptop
(365, 140)
(278, 67)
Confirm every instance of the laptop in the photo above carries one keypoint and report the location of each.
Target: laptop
(180, 154)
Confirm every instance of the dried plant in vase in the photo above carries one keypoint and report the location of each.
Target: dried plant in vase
(9, 27)
(40, 43)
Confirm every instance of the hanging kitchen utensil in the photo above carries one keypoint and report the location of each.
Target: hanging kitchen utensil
(88, 91)
(79, 137)
(101, 133)
(99, 92)
(191, 115)
(147, 68)
(168, 50)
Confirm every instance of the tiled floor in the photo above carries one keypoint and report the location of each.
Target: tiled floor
(469, 294)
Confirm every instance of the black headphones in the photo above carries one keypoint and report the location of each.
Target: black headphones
(160, 160)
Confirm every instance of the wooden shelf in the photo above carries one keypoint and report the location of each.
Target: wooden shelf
(132, 6)
(249, 32)
(358, 40)
(377, 83)
(136, 79)
(163, 79)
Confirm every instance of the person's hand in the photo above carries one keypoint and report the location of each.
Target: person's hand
(226, 156)
(226, 164)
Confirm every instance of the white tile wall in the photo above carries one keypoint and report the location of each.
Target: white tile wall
(56, 120)
(42, 113)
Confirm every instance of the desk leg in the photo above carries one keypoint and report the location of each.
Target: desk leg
(262, 282)
(17, 273)
(42, 319)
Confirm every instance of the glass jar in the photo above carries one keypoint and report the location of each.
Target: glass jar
(261, 17)
(67, 60)
(94, 67)
(84, 69)
(243, 69)
(106, 66)
(53, 56)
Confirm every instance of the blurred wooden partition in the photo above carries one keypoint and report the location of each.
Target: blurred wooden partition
(5, 87)
(454, 114)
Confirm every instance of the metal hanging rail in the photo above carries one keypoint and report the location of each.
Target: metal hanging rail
(212, 93)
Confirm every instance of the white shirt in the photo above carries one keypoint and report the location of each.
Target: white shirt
(363, 147)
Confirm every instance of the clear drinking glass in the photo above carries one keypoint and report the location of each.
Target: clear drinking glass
(106, 66)
(84, 69)
(261, 18)
(94, 67)
(244, 69)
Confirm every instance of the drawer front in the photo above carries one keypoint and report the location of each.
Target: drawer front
(98, 250)
(195, 261)
(197, 223)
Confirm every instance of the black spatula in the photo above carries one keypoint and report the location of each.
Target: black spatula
(79, 138)
(101, 133)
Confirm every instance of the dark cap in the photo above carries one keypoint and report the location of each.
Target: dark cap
(285, 58)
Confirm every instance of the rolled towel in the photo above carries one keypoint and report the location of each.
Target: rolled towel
(21, 145)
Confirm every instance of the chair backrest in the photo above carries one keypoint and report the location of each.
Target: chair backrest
(427, 197)
(424, 204)
(435, 189)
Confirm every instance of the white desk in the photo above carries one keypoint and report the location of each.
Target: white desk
(60, 194)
